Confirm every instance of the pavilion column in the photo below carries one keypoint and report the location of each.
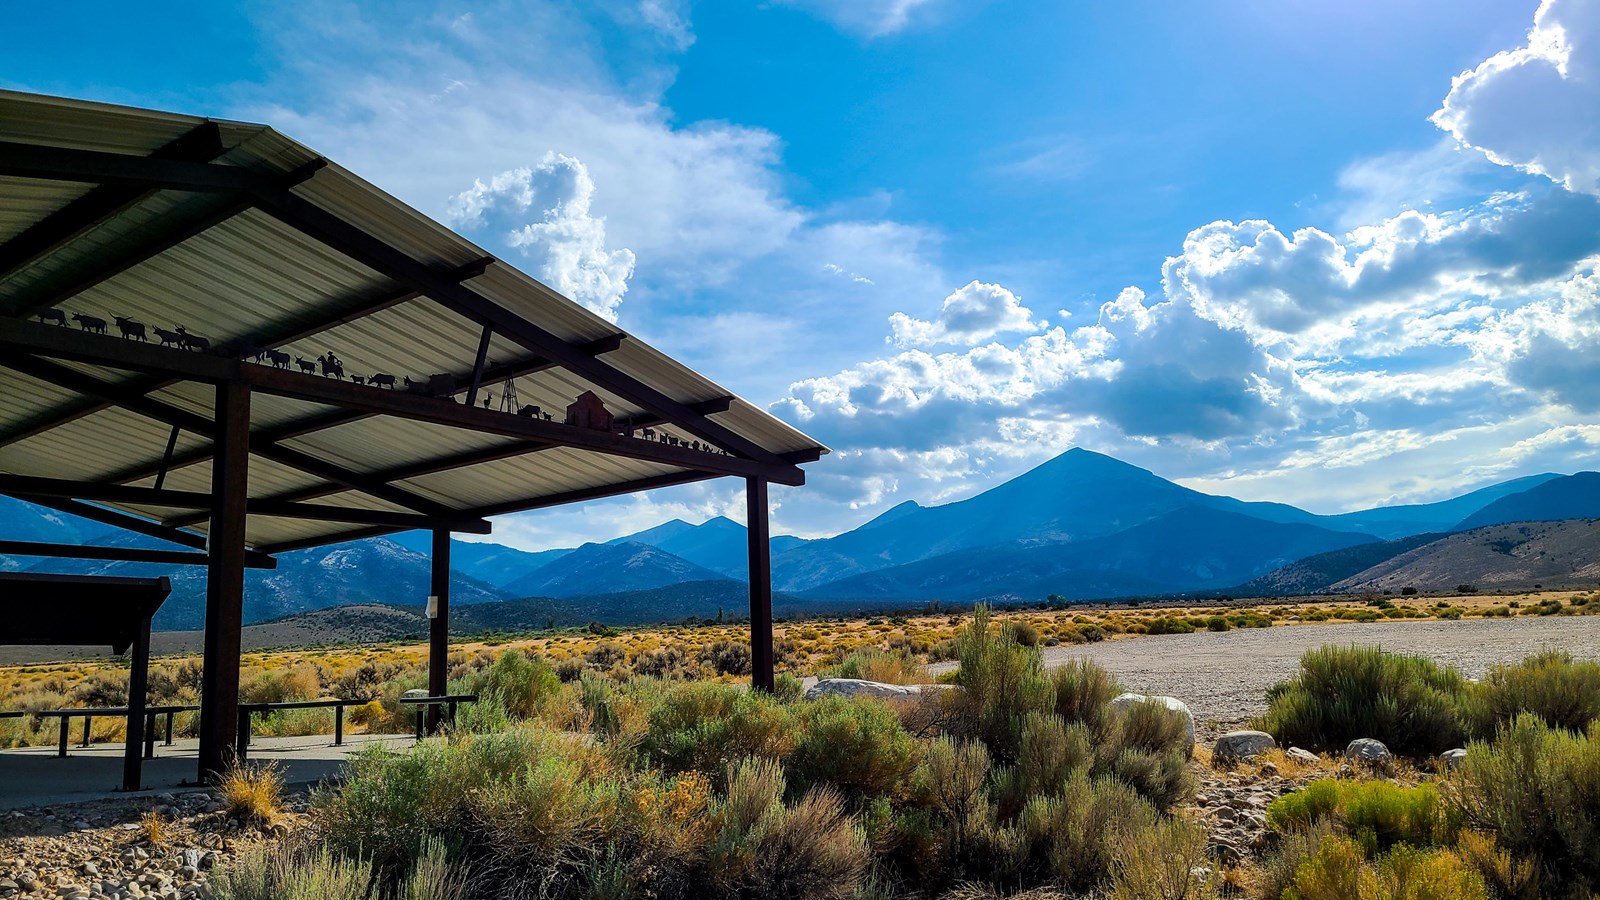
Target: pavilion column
(138, 687)
(439, 625)
(219, 685)
(762, 674)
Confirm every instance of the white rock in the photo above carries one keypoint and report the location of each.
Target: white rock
(1236, 746)
(1303, 755)
(1368, 751)
(858, 687)
(1453, 758)
(1124, 701)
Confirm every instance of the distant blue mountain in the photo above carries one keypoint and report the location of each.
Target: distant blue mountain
(1390, 522)
(1566, 497)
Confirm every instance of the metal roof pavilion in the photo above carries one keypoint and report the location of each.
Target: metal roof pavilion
(183, 300)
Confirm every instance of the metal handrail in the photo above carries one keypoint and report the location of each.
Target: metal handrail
(449, 701)
(88, 715)
(247, 711)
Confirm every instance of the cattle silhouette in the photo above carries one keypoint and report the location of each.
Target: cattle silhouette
(130, 329)
(278, 358)
(382, 379)
(250, 350)
(357, 379)
(438, 386)
(169, 337)
(307, 366)
(193, 341)
(90, 323)
(52, 315)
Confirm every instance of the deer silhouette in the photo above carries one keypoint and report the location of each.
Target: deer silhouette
(169, 337)
(331, 366)
(279, 359)
(52, 315)
(130, 328)
(193, 341)
(90, 323)
(382, 379)
(309, 367)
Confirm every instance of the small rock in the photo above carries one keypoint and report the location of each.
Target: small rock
(1305, 756)
(90, 869)
(1369, 752)
(1237, 746)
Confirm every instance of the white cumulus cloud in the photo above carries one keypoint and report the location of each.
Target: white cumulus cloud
(544, 212)
(872, 18)
(1537, 107)
(972, 313)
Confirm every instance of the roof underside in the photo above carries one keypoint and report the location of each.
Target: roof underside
(224, 268)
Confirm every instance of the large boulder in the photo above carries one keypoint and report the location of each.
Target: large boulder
(1237, 746)
(1123, 701)
(859, 687)
(1369, 752)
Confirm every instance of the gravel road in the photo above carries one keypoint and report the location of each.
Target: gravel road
(1223, 676)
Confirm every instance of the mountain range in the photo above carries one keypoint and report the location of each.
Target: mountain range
(1082, 525)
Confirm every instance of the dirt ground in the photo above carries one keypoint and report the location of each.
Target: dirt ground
(1223, 676)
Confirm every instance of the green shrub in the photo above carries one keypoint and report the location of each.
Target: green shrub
(1218, 623)
(1002, 680)
(1166, 861)
(1378, 814)
(1564, 692)
(524, 688)
(1537, 790)
(764, 849)
(706, 726)
(860, 747)
(1344, 693)
(892, 667)
(277, 873)
(1169, 626)
(1092, 633)
(1082, 832)
(1083, 693)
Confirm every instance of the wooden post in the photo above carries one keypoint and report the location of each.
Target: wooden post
(762, 675)
(138, 686)
(219, 682)
(439, 627)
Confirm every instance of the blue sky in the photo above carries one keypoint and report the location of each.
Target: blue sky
(1334, 254)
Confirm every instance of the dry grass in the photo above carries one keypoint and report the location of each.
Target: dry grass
(252, 793)
(154, 830)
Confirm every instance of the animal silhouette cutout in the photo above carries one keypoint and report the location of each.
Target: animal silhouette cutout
(331, 366)
(52, 315)
(307, 366)
(90, 323)
(169, 337)
(193, 341)
(357, 379)
(382, 379)
(130, 329)
(278, 358)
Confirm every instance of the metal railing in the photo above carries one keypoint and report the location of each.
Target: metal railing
(247, 711)
(89, 715)
(448, 701)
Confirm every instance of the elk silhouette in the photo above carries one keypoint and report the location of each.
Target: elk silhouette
(90, 323)
(130, 328)
(52, 315)
(382, 379)
(307, 366)
(169, 337)
(280, 359)
(331, 366)
(192, 341)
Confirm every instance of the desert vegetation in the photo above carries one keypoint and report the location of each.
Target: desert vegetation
(896, 647)
(1020, 778)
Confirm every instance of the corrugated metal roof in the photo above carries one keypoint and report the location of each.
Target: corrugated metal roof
(248, 276)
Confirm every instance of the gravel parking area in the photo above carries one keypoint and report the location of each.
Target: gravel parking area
(1223, 676)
